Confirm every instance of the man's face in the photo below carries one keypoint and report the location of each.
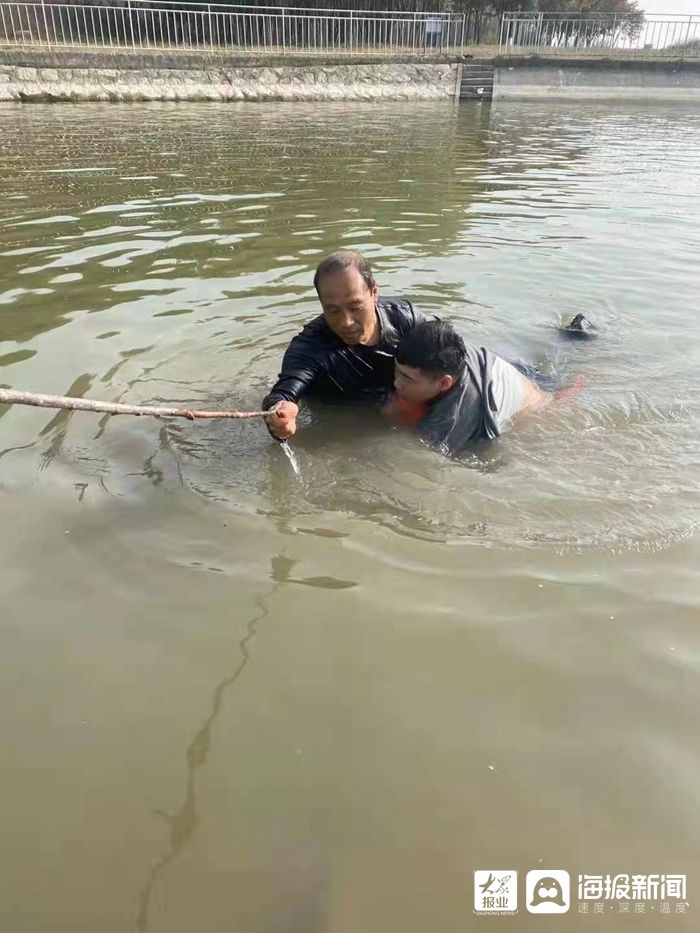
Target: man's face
(349, 307)
(415, 385)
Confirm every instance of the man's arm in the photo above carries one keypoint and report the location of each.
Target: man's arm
(300, 366)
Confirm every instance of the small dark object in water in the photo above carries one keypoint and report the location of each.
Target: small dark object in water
(580, 328)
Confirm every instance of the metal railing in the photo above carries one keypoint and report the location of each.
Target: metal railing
(171, 24)
(631, 33)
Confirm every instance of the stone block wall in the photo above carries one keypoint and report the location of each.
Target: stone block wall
(357, 81)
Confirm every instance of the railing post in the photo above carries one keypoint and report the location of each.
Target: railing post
(131, 23)
(351, 38)
(211, 32)
(46, 24)
(687, 37)
(500, 38)
(284, 38)
(538, 35)
(464, 29)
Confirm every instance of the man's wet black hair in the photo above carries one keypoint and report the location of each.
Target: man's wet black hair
(341, 262)
(434, 347)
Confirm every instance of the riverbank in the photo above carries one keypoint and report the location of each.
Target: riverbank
(76, 75)
(70, 75)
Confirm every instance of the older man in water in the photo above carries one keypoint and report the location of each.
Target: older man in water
(347, 352)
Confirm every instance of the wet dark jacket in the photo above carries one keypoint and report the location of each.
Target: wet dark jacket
(319, 363)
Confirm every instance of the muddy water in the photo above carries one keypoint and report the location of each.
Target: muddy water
(237, 698)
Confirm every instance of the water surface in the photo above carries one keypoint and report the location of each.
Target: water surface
(235, 698)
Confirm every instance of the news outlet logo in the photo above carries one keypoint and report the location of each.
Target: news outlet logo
(495, 892)
(547, 891)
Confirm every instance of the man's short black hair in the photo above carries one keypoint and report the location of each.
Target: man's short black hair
(434, 347)
(340, 262)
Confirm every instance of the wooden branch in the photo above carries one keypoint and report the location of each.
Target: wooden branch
(12, 397)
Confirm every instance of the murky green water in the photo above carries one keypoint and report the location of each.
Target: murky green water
(233, 700)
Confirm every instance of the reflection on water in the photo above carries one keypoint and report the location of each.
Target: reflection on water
(182, 823)
(449, 649)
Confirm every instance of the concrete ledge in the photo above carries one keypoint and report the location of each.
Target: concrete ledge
(518, 78)
(586, 92)
(594, 63)
(198, 60)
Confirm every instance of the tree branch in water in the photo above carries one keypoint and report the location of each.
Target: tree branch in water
(13, 397)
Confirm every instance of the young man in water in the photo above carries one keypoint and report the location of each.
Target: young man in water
(348, 351)
(455, 393)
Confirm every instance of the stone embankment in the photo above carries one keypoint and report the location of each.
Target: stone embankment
(279, 82)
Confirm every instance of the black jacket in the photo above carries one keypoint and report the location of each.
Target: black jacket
(318, 362)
